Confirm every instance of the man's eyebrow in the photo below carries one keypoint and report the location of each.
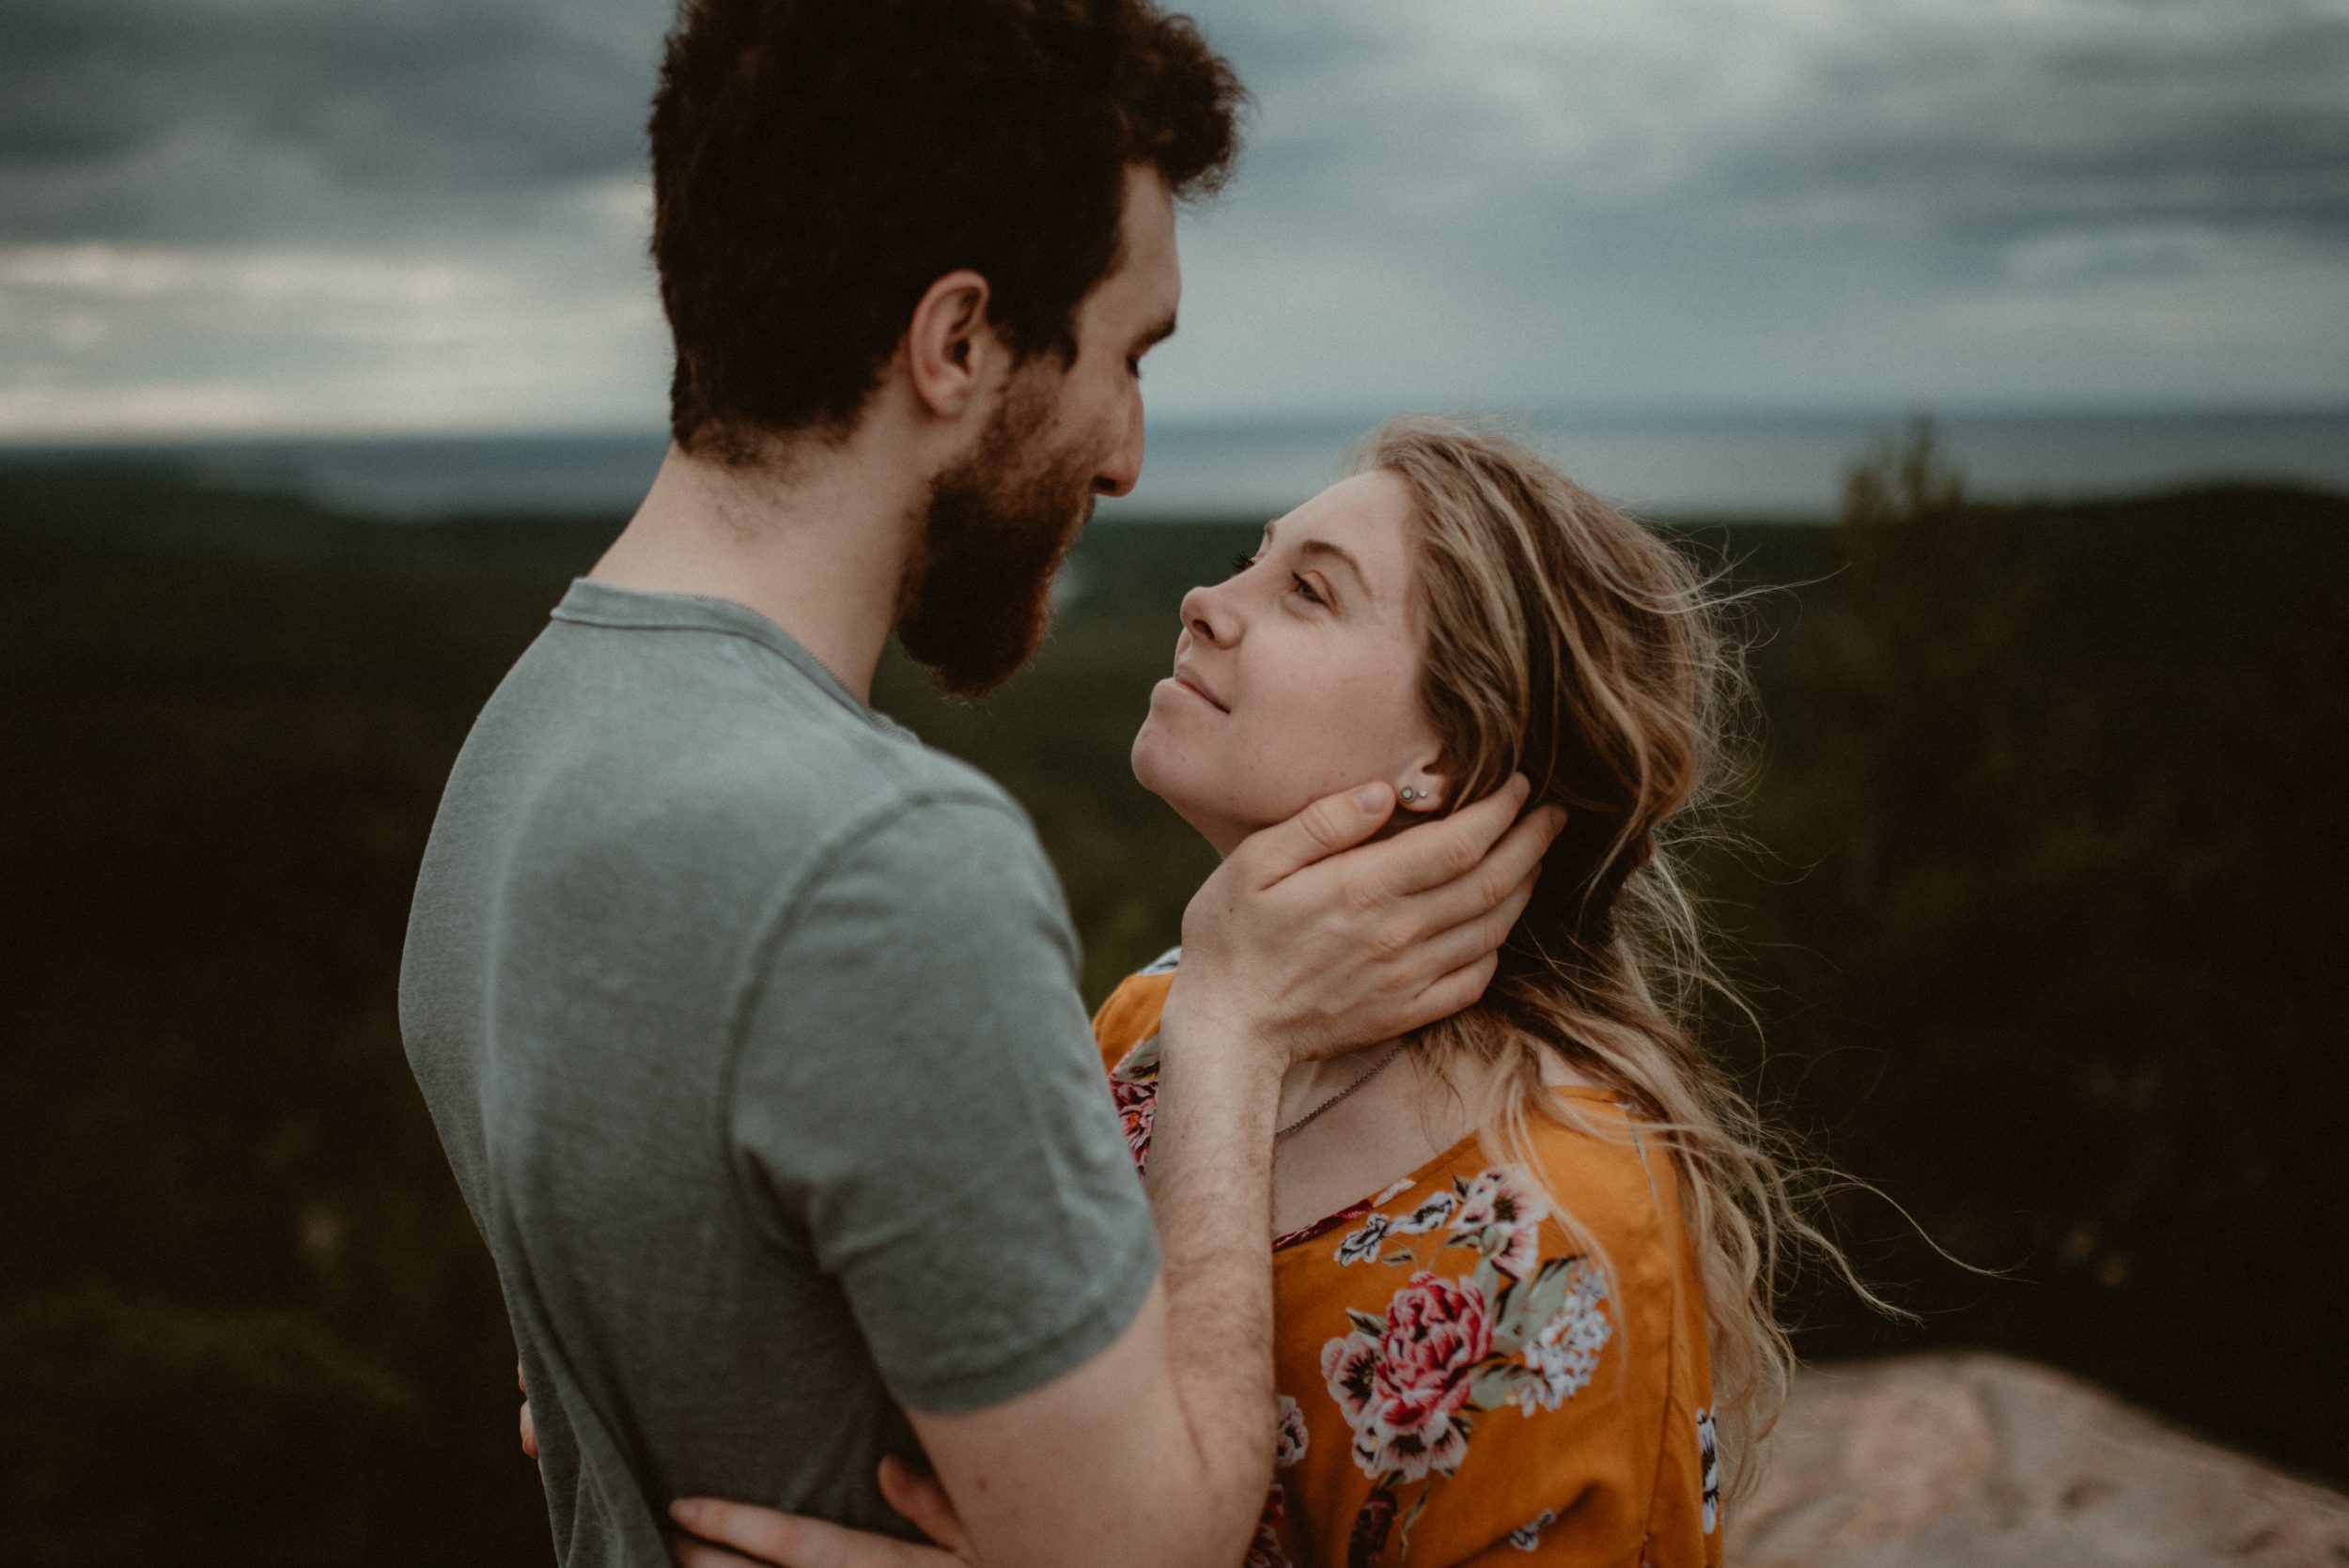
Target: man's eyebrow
(1156, 335)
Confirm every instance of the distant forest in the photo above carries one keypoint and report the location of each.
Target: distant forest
(2036, 887)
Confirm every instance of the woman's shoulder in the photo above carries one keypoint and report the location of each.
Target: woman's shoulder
(1130, 1015)
(1604, 1163)
(1591, 1182)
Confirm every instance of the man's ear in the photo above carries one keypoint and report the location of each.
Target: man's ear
(951, 350)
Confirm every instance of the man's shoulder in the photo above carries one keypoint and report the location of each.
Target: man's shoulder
(823, 772)
(883, 803)
(803, 780)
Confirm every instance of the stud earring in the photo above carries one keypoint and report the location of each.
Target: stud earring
(1409, 794)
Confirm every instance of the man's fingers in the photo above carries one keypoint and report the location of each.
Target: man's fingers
(1511, 863)
(1465, 946)
(783, 1538)
(1332, 823)
(686, 1552)
(1462, 987)
(1436, 853)
(530, 1432)
(790, 1540)
(923, 1503)
(1482, 932)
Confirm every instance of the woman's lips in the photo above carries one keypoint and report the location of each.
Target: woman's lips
(1184, 680)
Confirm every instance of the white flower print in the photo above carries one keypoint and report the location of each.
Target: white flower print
(1565, 1352)
(1368, 1242)
(1709, 1453)
(1392, 1192)
(1528, 1536)
(1434, 1212)
(1364, 1245)
(1289, 1437)
(1502, 1218)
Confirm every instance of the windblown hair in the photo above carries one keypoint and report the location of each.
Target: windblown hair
(1565, 642)
(817, 165)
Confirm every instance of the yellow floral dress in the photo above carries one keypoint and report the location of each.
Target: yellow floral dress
(1458, 1382)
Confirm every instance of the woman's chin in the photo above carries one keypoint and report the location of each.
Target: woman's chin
(1204, 815)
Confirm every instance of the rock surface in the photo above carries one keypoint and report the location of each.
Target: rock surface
(1983, 1461)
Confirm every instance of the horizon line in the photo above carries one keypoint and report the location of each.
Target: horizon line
(1890, 412)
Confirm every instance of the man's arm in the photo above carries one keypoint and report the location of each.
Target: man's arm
(1157, 1449)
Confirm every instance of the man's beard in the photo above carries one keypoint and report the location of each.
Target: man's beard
(976, 598)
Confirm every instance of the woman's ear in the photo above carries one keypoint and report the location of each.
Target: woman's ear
(1423, 789)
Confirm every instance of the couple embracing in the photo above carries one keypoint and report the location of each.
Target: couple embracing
(1395, 1217)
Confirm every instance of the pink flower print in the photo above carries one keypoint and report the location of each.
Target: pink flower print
(1401, 1382)
(1372, 1525)
(1137, 1107)
(1289, 1436)
(1264, 1547)
(1134, 1090)
(1501, 1217)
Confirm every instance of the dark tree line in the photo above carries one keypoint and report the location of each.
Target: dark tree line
(2041, 919)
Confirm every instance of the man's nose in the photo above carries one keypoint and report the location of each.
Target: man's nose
(1119, 475)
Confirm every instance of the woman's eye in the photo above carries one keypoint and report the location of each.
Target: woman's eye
(1305, 588)
(1242, 563)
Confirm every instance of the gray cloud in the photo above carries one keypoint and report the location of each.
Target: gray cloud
(2235, 118)
(208, 121)
(431, 212)
(1978, 122)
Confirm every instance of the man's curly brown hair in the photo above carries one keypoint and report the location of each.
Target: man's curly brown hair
(818, 164)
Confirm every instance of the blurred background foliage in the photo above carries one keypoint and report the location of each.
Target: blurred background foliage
(2039, 904)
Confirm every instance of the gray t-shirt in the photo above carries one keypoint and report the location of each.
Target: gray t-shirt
(751, 1028)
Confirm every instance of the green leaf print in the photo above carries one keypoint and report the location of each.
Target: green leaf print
(1532, 1303)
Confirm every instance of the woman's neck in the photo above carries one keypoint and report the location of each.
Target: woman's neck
(1392, 1123)
(1308, 1085)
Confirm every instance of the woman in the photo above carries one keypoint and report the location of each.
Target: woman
(1522, 1258)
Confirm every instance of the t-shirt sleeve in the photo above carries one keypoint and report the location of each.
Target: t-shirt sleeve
(918, 1105)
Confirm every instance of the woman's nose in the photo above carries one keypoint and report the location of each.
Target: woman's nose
(1204, 615)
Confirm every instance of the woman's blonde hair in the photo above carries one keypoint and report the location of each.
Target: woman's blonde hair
(1566, 642)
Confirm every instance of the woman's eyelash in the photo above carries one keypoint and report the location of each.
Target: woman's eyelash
(1242, 563)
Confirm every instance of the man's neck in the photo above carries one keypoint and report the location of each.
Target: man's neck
(818, 545)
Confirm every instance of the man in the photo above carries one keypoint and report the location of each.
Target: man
(750, 1024)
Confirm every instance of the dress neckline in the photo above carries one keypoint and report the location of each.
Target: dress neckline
(1435, 1164)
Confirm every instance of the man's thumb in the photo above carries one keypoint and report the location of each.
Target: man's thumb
(1332, 823)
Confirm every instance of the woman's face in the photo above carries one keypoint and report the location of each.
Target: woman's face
(1298, 676)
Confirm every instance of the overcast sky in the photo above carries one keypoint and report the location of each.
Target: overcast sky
(259, 216)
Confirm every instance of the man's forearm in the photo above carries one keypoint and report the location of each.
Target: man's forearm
(1211, 1191)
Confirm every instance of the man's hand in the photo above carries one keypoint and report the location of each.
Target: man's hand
(733, 1534)
(530, 1428)
(1303, 939)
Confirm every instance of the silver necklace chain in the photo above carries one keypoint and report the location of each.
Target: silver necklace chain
(1392, 1051)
